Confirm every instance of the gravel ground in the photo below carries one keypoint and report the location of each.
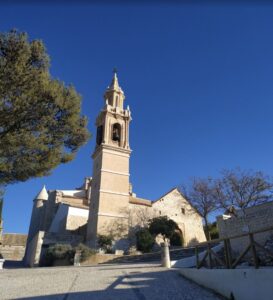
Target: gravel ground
(104, 282)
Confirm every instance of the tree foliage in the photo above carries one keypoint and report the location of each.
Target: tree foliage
(240, 189)
(162, 225)
(213, 230)
(40, 121)
(144, 240)
(176, 239)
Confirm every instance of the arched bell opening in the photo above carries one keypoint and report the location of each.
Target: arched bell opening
(116, 133)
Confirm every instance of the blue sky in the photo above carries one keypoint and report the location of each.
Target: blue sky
(198, 79)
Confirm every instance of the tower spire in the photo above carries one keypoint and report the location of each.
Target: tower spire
(114, 84)
(114, 95)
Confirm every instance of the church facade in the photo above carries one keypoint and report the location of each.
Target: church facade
(105, 204)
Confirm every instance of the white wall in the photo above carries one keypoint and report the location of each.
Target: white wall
(73, 193)
(245, 284)
(76, 218)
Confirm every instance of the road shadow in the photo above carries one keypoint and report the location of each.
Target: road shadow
(138, 285)
(14, 264)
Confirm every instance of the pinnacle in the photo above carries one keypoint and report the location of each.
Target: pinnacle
(114, 84)
(43, 195)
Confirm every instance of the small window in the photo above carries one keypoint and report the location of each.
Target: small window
(160, 212)
(183, 210)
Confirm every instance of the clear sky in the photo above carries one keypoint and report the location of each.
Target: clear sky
(198, 79)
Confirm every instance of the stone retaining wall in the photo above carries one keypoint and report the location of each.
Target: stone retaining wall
(250, 219)
(13, 246)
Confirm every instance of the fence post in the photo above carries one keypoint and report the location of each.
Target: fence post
(209, 253)
(253, 249)
(197, 256)
(227, 253)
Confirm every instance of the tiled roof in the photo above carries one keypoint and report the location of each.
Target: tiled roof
(140, 201)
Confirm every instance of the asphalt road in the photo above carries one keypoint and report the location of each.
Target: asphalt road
(104, 282)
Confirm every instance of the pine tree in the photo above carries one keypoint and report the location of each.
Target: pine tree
(40, 121)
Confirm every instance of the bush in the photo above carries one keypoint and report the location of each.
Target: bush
(86, 252)
(59, 251)
(65, 251)
(105, 242)
(145, 240)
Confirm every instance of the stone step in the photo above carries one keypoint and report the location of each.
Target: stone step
(175, 254)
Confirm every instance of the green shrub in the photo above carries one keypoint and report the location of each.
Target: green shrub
(145, 240)
(65, 251)
(59, 251)
(86, 252)
(105, 242)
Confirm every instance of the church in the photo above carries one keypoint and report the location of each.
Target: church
(105, 204)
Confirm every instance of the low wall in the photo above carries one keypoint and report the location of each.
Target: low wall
(250, 284)
(13, 246)
(13, 252)
(100, 258)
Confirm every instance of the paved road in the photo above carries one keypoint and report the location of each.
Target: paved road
(104, 282)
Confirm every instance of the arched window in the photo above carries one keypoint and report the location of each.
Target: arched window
(116, 132)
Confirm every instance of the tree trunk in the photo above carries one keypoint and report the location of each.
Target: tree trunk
(207, 229)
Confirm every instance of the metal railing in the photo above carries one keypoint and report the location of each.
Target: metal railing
(230, 261)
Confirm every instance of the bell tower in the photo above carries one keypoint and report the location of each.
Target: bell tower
(110, 183)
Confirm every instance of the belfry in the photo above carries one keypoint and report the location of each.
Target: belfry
(110, 181)
(105, 203)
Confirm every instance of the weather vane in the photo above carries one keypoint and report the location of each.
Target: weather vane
(115, 71)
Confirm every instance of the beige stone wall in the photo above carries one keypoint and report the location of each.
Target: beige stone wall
(171, 205)
(13, 246)
(139, 215)
(12, 252)
(76, 218)
(178, 209)
(248, 220)
(109, 193)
